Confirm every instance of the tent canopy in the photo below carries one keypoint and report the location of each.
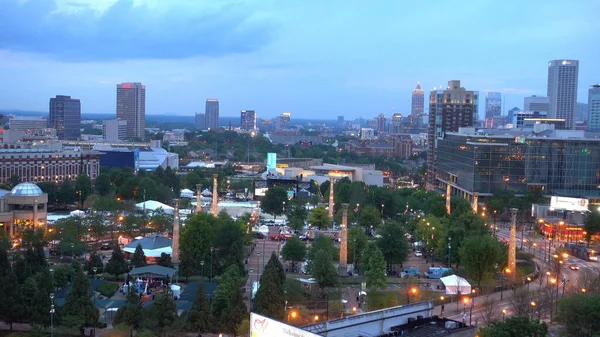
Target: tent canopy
(456, 284)
(153, 270)
(152, 205)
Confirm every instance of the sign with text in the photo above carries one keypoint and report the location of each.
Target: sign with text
(569, 204)
(261, 326)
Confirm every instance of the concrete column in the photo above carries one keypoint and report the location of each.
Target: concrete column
(35, 215)
(175, 242)
(343, 270)
(198, 198)
(331, 193)
(512, 245)
(215, 211)
(448, 191)
(475, 202)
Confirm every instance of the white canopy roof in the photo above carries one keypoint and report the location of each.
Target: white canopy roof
(186, 193)
(261, 229)
(152, 205)
(150, 252)
(77, 213)
(455, 284)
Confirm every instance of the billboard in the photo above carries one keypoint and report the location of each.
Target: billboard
(568, 204)
(271, 160)
(261, 326)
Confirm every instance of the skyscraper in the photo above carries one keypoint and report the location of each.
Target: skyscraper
(211, 114)
(449, 110)
(562, 90)
(536, 103)
(418, 101)
(248, 120)
(65, 117)
(283, 121)
(200, 121)
(493, 104)
(582, 111)
(594, 108)
(131, 107)
(381, 124)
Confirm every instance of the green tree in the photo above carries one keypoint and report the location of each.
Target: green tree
(199, 316)
(516, 326)
(79, 309)
(591, 223)
(319, 218)
(393, 243)
(376, 272)
(580, 314)
(161, 315)
(369, 217)
(102, 184)
(66, 193)
(52, 190)
(325, 244)
(83, 186)
(14, 180)
(230, 243)
(234, 313)
(270, 297)
(165, 260)
(196, 238)
(293, 250)
(357, 242)
(12, 308)
(272, 203)
(95, 261)
(139, 258)
(323, 270)
(221, 303)
(116, 265)
(296, 213)
(95, 225)
(479, 255)
(131, 313)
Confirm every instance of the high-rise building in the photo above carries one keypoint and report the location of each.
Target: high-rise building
(28, 124)
(114, 129)
(449, 110)
(396, 123)
(248, 120)
(131, 107)
(594, 108)
(536, 103)
(65, 117)
(381, 124)
(582, 111)
(211, 114)
(200, 121)
(493, 104)
(562, 90)
(418, 101)
(283, 121)
(511, 114)
(340, 122)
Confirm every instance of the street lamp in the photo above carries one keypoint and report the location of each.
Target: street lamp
(211, 263)
(507, 270)
(202, 267)
(412, 291)
(503, 314)
(51, 314)
(258, 265)
(442, 311)
(354, 257)
(95, 270)
(528, 282)
(449, 247)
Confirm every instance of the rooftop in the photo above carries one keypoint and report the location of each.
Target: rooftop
(26, 190)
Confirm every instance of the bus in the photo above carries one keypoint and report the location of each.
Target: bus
(582, 252)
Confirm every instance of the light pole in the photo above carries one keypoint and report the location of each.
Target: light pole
(449, 247)
(211, 263)
(202, 267)
(51, 314)
(473, 291)
(442, 311)
(251, 287)
(354, 258)
(257, 265)
(95, 270)
(503, 314)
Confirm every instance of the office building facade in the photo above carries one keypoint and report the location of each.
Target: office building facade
(594, 108)
(211, 114)
(29, 125)
(381, 124)
(200, 121)
(493, 105)
(283, 121)
(582, 111)
(65, 117)
(550, 161)
(131, 107)
(449, 110)
(563, 76)
(536, 103)
(417, 106)
(248, 120)
(114, 129)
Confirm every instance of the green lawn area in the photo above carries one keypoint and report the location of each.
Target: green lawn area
(107, 289)
(525, 268)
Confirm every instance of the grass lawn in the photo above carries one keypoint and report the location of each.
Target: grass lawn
(525, 268)
(107, 289)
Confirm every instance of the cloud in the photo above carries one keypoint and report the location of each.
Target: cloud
(132, 31)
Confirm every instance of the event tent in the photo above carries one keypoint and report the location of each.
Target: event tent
(153, 246)
(186, 193)
(153, 206)
(456, 284)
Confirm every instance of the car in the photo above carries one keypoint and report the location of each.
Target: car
(105, 246)
(418, 253)
(574, 267)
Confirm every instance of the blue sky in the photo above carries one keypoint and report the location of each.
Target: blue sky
(313, 58)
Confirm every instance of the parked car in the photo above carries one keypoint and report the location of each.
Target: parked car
(418, 253)
(105, 246)
(574, 267)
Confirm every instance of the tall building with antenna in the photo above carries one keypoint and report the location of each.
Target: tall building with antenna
(418, 101)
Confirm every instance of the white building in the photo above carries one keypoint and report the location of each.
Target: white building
(563, 76)
(28, 124)
(594, 108)
(367, 133)
(114, 129)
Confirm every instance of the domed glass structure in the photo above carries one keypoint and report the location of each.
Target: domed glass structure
(26, 190)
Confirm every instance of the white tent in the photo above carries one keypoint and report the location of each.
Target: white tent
(152, 206)
(77, 213)
(455, 284)
(186, 193)
(264, 229)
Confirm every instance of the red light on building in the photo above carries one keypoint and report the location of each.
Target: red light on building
(126, 86)
(143, 87)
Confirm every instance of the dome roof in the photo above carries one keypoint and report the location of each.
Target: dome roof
(26, 190)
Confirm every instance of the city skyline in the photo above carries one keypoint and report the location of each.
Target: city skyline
(252, 42)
